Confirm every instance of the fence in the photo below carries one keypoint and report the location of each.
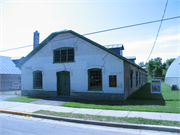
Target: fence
(10, 87)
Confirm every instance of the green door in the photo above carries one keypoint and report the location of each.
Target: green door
(63, 83)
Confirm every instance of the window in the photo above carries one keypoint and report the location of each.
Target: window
(64, 55)
(37, 79)
(131, 77)
(136, 78)
(112, 81)
(139, 78)
(95, 79)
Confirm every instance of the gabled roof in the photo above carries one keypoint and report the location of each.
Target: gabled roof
(52, 35)
(7, 66)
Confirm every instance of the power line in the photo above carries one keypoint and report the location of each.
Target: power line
(105, 31)
(16, 48)
(158, 31)
(131, 25)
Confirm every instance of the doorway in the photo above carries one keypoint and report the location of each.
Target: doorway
(63, 83)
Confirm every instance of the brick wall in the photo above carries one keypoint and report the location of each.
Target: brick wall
(137, 82)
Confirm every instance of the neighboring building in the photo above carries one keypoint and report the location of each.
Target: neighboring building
(10, 75)
(69, 64)
(173, 74)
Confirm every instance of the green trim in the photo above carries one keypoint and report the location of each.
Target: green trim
(34, 79)
(59, 82)
(60, 56)
(94, 69)
(52, 35)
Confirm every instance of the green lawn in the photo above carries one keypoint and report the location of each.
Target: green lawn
(23, 99)
(111, 119)
(141, 100)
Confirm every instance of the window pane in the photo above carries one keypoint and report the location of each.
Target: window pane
(56, 56)
(38, 79)
(112, 81)
(95, 79)
(70, 54)
(63, 55)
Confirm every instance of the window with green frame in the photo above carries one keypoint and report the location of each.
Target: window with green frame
(37, 79)
(95, 79)
(112, 81)
(65, 54)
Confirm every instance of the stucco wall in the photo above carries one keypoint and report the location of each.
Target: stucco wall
(87, 56)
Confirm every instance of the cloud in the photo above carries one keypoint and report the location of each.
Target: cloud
(148, 43)
(167, 46)
(171, 30)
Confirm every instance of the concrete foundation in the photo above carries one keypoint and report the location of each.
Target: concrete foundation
(38, 93)
(97, 96)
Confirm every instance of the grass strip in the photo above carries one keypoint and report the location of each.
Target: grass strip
(141, 100)
(128, 105)
(24, 99)
(111, 118)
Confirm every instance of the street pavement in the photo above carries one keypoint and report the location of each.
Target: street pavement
(19, 125)
(32, 107)
(53, 105)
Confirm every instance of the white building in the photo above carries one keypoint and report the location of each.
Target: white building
(173, 73)
(69, 64)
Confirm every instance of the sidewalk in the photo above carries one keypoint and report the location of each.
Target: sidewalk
(30, 107)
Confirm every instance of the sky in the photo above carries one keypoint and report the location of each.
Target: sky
(20, 18)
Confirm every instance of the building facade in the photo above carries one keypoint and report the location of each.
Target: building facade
(69, 64)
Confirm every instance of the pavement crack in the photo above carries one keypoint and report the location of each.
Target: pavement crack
(99, 112)
(128, 114)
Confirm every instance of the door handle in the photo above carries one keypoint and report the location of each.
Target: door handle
(64, 83)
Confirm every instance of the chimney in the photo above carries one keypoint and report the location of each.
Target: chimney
(36, 39)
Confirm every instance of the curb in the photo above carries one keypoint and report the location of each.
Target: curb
(100, 123)
(15, 112)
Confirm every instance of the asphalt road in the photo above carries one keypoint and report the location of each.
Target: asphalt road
(22, 125)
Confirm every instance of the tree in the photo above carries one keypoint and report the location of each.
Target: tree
(141, 64)
(166, 65)
(154, 67)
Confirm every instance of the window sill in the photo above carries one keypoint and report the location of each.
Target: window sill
(95, 91)
(63, 62)
(37, 89)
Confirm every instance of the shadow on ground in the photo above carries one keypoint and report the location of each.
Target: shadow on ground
(143, 96)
